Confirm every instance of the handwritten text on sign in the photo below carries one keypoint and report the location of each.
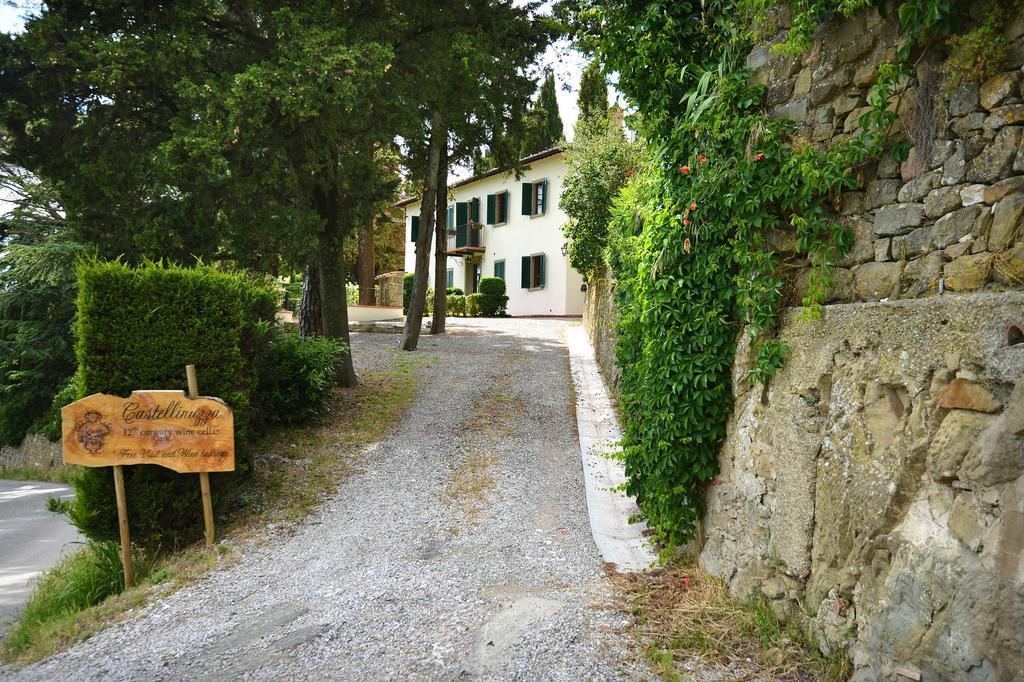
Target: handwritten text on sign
(167, 428)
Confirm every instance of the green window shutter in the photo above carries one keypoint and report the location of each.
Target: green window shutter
(543, 198)
(415, 228)
(499, 269)
(526, 272)
(541, 269)
(474, 210)
(461, 213)
(492, 200)
(451, 278)
(527, 198)
(503, 218)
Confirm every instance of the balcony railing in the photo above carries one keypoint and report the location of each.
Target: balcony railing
(464, 239)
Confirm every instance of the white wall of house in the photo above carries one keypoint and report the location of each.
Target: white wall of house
(521, 235)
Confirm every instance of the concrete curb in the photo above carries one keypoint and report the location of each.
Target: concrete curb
(620, 542)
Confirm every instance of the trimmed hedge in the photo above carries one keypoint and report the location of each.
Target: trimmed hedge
(137, 329)
(474, 305)
(456, 305)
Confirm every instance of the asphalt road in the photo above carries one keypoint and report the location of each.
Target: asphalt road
(31, 540)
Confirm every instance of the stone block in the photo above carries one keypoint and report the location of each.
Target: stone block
(1003, 188)
(963, 394)
(965, 520)
(879, 193)
(921, 275)
(913, 244)
(794, 110)
(940, 151)
(1007, 219)
(961, 248)
(852, 122)
(875, 281)
(955, 167)
(917, 189)
(996, 159)
(952, 226)
(883, 249)
(852, 203)
(1010, 114)
(968, 273)
(863, 249)
(979, 245)
(1018, 161)
(995, 457)
(941, 201)
(888, 167)
(1008, 266)
(898, 219)
(963, 126)
(997, 88)
(972, 194)
(802, 84)
(965, 100)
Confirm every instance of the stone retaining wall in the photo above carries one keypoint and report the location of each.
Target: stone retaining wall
(950, 217)
(599, 318)
(877, 483)
(34, 452)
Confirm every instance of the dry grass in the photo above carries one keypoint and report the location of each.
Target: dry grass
(55, 474)
(294, 468)
(470, 485)
(680, 612)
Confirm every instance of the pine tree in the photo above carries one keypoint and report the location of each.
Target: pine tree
(593, 99)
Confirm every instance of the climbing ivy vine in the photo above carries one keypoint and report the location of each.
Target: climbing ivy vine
(688, 236)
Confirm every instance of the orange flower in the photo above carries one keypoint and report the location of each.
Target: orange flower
(702, 158)
(684, 169)
(686, 582)
(693, 207)
(686, 221)
(758, 157)
(629, 173)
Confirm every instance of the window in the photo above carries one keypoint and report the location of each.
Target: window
(451, 278)
(535, 197)
(497, 208)
(499, 268)
(533, 271)
(415, 231)
(451, 218)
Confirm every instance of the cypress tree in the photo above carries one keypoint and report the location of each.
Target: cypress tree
(543, 124)
(593, 99)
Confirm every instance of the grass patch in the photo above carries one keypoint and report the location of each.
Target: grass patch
(680, 611)
(57, 474)
(293, 469)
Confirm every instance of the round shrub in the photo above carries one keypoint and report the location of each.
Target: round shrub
(492, 286)
(296, 377)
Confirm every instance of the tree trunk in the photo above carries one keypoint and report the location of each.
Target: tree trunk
(437, 322)
(414, 319)
(334, 303)
(311, 320)
(365, 264)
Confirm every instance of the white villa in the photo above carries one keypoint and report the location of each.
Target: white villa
(501, 226)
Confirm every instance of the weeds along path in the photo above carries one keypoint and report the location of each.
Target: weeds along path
(461, 548)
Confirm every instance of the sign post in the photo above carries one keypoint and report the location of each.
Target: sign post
(188, 434)
(204, 477)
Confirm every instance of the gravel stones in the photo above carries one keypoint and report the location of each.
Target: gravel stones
(391, 577)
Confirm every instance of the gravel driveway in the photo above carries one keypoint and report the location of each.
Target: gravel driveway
(461, 548)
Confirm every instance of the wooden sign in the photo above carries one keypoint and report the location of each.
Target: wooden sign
(188, 435)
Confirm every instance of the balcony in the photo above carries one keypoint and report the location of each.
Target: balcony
(464, 240)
